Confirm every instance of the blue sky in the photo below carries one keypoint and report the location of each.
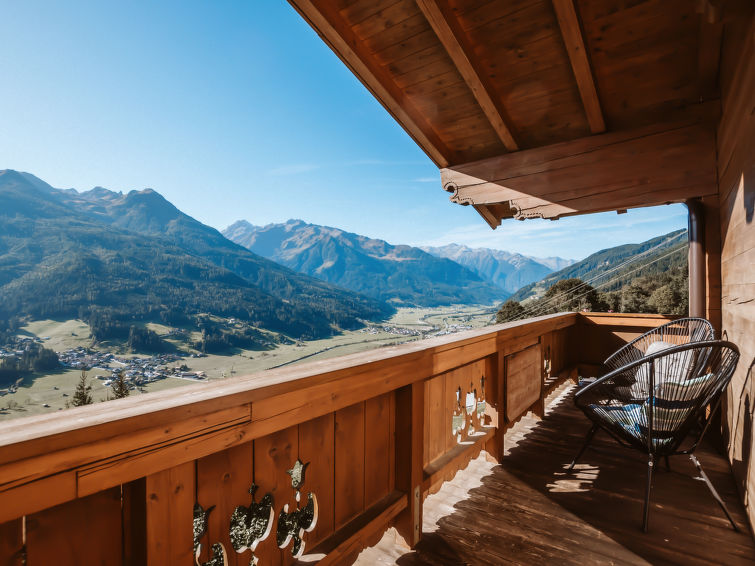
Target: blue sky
(238, 110)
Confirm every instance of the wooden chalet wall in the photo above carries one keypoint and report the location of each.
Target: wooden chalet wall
(736, 171)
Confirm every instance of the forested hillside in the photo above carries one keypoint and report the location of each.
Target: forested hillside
(614, 268)
(113, 259)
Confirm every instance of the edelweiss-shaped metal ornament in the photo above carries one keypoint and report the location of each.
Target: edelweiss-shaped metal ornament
(481, 401)
(458, 421)
(251, 525)
(219, 557)
(293, 525)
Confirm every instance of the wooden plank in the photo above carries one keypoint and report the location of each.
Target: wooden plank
(37, 495)
(170, 512)
(349, 463)
(436, 431)
(709, 48)
(11, 543)
(223, 481)
(84, 531)
(317, 447)
(452, 37)
(410, 414)
(523, 381)
(331, 27)
(568, 21)
(134, 496)
(150, 458)
(445, 467)
(274, 455)
(359, 533)
(377, 448)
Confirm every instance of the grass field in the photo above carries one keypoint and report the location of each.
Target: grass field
(57, 388)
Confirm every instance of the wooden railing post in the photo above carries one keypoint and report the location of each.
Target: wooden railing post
(494, 369)
(410, 413)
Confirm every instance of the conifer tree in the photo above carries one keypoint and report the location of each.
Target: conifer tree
(83, 393)
(120, 387)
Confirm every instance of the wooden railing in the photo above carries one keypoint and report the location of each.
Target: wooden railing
(117, 483)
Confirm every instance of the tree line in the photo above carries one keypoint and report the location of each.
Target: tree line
(663, 293)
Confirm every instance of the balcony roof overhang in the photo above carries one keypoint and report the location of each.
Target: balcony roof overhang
(547, 108)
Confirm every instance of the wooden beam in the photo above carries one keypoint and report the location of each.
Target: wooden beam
(452, 37)
(654, 165)
(575, 47)
(487, 215)
(338, 35)
(709, 40)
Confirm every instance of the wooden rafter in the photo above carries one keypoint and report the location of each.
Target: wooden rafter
(709, 47)
(488, 215)
(340, 37)
(449, 33)
(575, 47)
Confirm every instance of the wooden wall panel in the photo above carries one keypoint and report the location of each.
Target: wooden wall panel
(223, 480)
(349, 463)
(170, 512)
(436, 427)
(316, 446)
(736, 167)
(11, 543)
(523, 381)
(378, 448)
(274, 455)
(83, 531)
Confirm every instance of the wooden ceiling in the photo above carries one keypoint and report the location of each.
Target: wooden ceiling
(486, 86)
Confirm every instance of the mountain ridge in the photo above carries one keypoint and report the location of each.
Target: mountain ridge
(508, 270)
(65, 253)
(401, 274)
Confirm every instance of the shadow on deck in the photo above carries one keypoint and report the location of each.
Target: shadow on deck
(530, 511)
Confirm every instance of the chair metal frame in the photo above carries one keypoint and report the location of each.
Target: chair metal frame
(708, 351)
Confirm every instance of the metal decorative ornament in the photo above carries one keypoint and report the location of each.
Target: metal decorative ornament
(218, 555)
(251, 525)
(292, 525)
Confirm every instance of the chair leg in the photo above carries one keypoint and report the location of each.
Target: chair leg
(588, 440)
(646, 512)
(668, 464)
(704, 477)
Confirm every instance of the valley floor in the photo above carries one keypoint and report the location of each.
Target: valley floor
(40, 394)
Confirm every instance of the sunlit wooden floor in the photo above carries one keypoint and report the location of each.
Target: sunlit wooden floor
(529, 511)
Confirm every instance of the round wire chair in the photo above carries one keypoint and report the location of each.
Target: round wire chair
(676, 332)
(655, 403)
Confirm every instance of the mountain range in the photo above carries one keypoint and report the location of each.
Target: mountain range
(136, 256)
(507, 270)
(403, 275)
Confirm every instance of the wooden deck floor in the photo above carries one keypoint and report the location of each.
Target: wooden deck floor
(529, 511)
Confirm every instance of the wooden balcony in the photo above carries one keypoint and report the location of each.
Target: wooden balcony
(116, 483)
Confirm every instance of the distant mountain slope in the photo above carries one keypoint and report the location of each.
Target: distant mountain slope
(400, 274)
(63, 253)
(509, 271)
(617, 266)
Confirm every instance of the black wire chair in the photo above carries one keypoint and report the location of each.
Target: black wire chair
(674, 333)
(655, 403)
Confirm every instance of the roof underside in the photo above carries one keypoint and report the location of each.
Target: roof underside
(477, 83)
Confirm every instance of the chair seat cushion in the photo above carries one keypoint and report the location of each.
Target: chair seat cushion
(674, 401)
(672, 367)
